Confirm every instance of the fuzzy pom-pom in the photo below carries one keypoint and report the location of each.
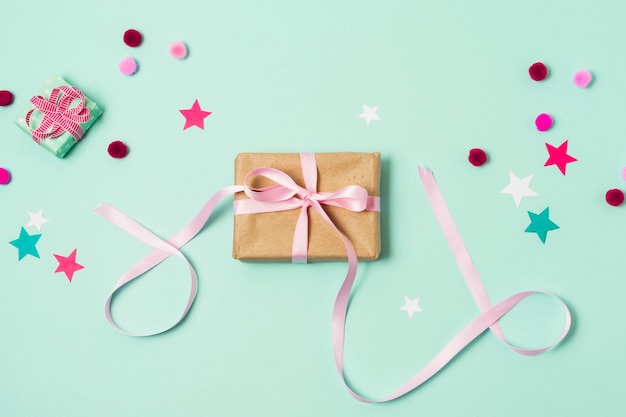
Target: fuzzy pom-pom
(538, 71)
(128, 66)
(132, 38)
(477, 157)
(543, 122)
(614, 197)
(178, 50)
(117, 149)
(624, 173)
(6, 97)
(5, 176)
(582, 78)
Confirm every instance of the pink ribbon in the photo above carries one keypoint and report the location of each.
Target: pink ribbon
(488, 319)
(287, 195)
(284, 195)
(58, 114)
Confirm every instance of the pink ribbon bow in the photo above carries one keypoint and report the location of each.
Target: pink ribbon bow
(287, 195)
(58, 114)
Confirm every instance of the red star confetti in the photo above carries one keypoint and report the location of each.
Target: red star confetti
(194, 116)
(559, 156)
(68, 265)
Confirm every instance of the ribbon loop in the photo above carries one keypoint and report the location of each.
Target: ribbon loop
(59, 114)
(287, 195)
(487, 319)
(162, 250)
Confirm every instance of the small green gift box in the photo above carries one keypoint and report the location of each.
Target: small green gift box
(59, 116)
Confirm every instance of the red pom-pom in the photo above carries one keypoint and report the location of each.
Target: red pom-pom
(132, 38)
(477, 157)
(118, 149)
(6, 97)
(538, 71)
(615, 197)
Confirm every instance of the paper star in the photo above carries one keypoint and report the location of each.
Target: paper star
(541, 224)
(518, 188)
(194, 116)
(37, 219)
(369, 114)
(410, 306)
(559, 156)
(25, 244)
(68, 265)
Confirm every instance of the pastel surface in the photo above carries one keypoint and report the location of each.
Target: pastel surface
(446, 76)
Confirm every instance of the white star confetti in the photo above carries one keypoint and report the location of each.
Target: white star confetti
(519, 188)
(37, 219)
(411, 306)
(369, 114)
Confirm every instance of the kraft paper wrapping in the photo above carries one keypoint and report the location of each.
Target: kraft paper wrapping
(269, 236)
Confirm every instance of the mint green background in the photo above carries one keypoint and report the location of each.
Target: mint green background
(288, 76)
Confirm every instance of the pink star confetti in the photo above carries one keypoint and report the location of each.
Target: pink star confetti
(68, 265)
(194, 116)
(559, 156)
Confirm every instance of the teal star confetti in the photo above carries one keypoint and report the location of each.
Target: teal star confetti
(541, 224)
(25, 244)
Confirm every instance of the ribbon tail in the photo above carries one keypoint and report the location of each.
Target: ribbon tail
(300, 247)
(457, 246)
(488, 319)
(162, 251)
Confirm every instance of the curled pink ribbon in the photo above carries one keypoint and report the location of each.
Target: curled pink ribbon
(488, 318)
(286, 195)
(59, 116)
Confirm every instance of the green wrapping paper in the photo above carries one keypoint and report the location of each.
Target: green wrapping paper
(60, 145)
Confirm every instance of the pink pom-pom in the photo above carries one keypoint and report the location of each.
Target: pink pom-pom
(582, 78)
(543, 122)
(178, 50)
(5, 176)
(128, 66)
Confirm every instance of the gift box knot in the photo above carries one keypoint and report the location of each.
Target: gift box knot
(62, 112)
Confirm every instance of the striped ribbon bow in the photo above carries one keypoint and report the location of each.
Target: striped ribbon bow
(59, 116)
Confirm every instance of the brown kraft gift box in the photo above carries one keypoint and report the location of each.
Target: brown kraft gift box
(269, 236)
